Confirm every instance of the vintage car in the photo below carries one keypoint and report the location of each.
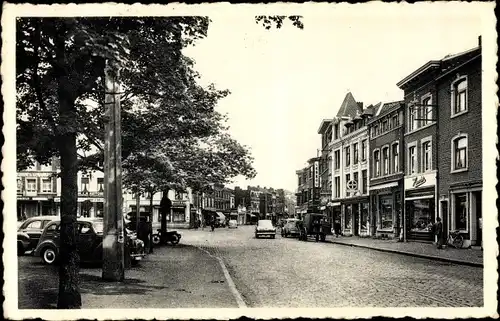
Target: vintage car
(232, 224)
(29, 232)
(316, 225)
(90, 237)
(265, 228)
(290, 227)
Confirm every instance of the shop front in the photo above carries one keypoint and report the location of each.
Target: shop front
(354, 216)
(35, 206)
(386, 199)
(420, 206)
(180, 215)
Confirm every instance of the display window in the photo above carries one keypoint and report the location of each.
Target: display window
(348, 216)
(422, 215)
(364, 216)
(386, 207)
(460, 212)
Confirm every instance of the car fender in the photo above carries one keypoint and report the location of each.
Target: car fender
(41, 246)
(23, 238)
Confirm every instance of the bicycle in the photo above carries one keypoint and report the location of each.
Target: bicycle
(455, 239)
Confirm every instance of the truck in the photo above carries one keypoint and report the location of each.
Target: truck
(319, 231)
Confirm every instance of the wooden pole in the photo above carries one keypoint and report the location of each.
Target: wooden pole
(113, 268)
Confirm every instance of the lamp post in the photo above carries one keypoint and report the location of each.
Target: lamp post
(113, 268)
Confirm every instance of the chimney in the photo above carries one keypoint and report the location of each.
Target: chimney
(479, 41)
(360, 105)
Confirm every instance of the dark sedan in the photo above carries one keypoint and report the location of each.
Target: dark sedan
(29, 232)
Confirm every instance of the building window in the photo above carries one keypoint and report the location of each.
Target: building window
(375, 130)
(356, 179)
(460, 153)
(337, 159)
(46, 185)
(386, 212)
(355, 152)
(414, 116)
(19, 186)
(100, 184)
(385, 160)
(337, 186)
(31, 185)
(347, 180)
(363, 150)
(395, 157)
(347, 156)
(376, 163)
(411, 160)
(395, 121)
(427, 110)
(460, 212)
(337, 131)
(348, 214)
(385, 126)
(426, 155)
(85, 184)
(364, 177)
(459, 96)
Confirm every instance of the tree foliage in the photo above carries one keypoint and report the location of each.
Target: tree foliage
(277, 21)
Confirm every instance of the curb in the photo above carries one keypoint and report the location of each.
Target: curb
(430, 257)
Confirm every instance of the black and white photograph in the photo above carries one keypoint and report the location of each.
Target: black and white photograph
(217, 160)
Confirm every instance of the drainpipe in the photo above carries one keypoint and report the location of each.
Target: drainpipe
(402, 164)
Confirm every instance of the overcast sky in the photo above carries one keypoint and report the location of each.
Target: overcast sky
(285, 81)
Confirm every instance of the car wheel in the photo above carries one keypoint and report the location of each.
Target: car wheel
(156, 239)
(20, 249)
(175, 240)
(49, 255)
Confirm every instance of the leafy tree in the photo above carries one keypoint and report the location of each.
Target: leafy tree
(269, 21)
(60, 64)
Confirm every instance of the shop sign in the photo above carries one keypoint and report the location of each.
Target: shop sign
(352, 186)
(316, 174)
(419, 181)
(23, 198)
(177, 203)
(36, 174)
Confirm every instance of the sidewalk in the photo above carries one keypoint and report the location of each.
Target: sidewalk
(172, 277)
(424, 250)
(178, 276)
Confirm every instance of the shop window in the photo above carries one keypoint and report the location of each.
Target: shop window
(376, 163)
(459, 150)
(386, 205)
(178, 215)
(31, 185)
(356, 179)
(364, 216)
(19, 186)
(348, 216)
(421, 215)
(355, 153)
(46, 185)
(460, 212)
(459, 96)
(347, 156)
(395, 157)
(385, 160)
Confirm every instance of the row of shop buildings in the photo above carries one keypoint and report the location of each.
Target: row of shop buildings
(39, 193)
(391, 168)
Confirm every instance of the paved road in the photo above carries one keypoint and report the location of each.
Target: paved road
(285, 272)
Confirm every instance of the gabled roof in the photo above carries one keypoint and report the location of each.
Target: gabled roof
(349, 107)
(324, 125)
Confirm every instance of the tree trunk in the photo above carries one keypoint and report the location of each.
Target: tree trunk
(165, 208)
(151, 194)
(69, 290)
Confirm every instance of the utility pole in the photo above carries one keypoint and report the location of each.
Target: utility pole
(113, 268)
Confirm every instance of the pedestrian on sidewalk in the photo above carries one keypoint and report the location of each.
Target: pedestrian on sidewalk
(438, 231)
(337, 228)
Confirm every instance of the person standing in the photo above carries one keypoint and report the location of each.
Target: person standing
(438, 231)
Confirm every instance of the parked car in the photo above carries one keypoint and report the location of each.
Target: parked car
(232, 224)
(29, 232)
(290, 228)
(265, 228)
(89, 242)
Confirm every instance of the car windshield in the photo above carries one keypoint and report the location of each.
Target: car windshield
(98, 227)
(265, 224)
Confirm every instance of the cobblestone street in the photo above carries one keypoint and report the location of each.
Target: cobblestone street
(285, 272)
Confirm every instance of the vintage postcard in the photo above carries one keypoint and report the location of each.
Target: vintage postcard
(213, 161)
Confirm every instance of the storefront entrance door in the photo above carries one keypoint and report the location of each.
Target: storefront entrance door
(479, 219)
(355, 214)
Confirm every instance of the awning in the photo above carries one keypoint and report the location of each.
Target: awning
(382, 186)
(418, 197)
